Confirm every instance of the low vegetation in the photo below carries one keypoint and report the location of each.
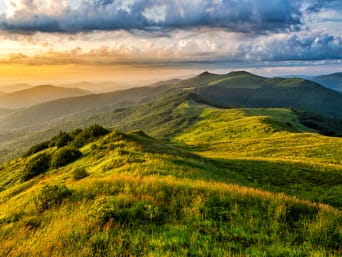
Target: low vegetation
(65, 156)
(80, 173)
(326, 126)
(36, 165)
(51, 196)
(232, 182)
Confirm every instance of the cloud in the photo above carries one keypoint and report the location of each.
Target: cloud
(245, 16)
(293, 47)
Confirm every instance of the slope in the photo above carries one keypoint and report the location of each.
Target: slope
(157, 118)
(4, 112)
(266, 138)
(15, 87)
(333, 81)
(275, 134)
(40, 115)
(98, 87)
(238, 89)
(242, 89)
(139, 196)
(39, 94)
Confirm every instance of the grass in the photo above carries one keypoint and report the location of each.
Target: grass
(150, 216)
(231, 183)
(272, 134)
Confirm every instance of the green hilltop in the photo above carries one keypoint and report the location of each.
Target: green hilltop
(184, 178)
(22, 128)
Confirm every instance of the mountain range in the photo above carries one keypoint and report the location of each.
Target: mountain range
(35, 95)
(333, 81)
(27, 126)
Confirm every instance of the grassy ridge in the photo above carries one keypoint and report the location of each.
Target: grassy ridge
(143, 197)
(21, 128)
(268, 149)
(261, 134)
(250, 182)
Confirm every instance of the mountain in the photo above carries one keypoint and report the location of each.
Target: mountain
(36, 95)
(242, 89)
(15, 87)
(40, 115)
(237, 89)
(98, 87)
(333, 81)
(25, 127)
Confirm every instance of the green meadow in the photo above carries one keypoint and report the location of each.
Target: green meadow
(232, 182)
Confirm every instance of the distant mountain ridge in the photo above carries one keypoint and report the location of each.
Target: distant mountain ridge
(243, 89)
(15, 87)
(39, 94)
(234, 90)
(333, 81)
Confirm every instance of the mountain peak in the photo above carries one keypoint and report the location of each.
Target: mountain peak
(38, 94)
(241, 73)
(206, 73)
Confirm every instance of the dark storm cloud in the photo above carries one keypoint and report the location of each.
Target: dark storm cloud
(307, 47)
(246, 16)
(318, 5)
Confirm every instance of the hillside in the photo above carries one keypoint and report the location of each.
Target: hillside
(15, 87)
(264, 137)
(333, 81)
(39, 116)
(4, 112)
(25, 127)
(129, 194)
(236, 89)
(98, 87)
(242, 89)
(36, 95)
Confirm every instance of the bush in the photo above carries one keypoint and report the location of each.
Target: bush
(37, 165)
(80, 173)
(75, 132)
(127, 212)
(36, 148)
(65, 156)
(51, 196)
(62, 139)
(89, 135)
(93, 147)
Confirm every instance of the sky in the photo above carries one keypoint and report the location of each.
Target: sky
(142, 40)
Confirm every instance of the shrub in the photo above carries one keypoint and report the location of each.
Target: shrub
(93, 147)
(51, 196)
(80, 173)
(36, 148)
(65, 156)
(37, 165)
(127, 212)
(89, 135)
(62, 139)
(75, 132)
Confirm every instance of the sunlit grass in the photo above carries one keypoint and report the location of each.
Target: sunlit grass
(255, 187)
